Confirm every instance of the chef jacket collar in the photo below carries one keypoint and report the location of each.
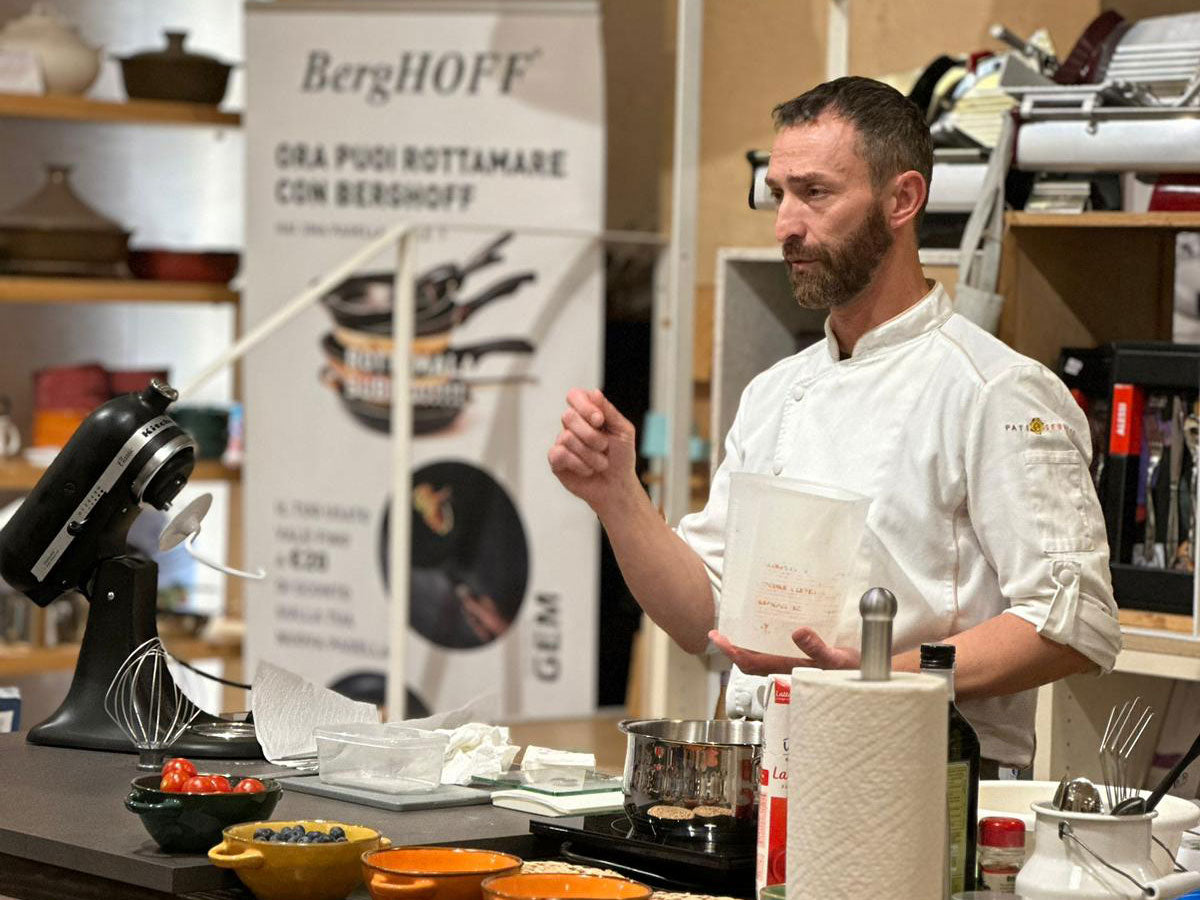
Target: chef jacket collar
(923, 316)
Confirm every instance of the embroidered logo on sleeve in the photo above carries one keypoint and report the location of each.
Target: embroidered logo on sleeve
(1038, 426)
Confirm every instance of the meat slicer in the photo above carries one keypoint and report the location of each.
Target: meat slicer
(70, 534)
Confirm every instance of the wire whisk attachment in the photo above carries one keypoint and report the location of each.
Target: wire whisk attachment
(1125, 726)
(146, 703)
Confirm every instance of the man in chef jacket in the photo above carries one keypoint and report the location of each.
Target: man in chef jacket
(983, 522)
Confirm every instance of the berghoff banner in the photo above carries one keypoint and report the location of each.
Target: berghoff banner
(359, 117)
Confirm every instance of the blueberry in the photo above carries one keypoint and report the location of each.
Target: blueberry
(322, 839)
(263, 834)
(337, 832)
(303, 839)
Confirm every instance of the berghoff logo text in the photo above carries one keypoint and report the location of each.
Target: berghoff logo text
(419, 72)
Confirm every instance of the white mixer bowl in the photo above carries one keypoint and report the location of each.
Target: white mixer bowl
(1016, 798)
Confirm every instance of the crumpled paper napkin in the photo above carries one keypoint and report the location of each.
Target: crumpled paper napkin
(287, 708)
(476, 749)
(548, 758)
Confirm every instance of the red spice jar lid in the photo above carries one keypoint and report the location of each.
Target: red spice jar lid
(1001, 831)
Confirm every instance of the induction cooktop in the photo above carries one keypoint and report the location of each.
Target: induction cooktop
(695, 860)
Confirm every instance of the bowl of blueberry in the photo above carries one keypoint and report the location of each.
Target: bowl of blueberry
(307, 859)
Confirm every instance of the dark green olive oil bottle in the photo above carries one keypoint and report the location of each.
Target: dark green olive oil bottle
(962, 774)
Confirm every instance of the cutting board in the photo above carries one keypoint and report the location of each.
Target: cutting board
(446, 795)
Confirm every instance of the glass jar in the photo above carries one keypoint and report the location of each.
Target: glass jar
(1001, 853)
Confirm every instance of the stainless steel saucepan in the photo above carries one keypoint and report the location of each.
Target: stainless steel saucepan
(706, 767)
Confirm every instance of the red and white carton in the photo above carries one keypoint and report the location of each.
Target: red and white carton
(771, 865)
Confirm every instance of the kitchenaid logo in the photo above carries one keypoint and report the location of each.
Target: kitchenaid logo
(419, 73)
(156, 425)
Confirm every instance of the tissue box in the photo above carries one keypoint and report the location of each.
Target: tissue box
(390, 759)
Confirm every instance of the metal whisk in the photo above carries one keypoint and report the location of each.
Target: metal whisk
(1125, 726)
(147, 704)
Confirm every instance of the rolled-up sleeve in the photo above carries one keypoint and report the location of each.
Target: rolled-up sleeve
(1035, 511)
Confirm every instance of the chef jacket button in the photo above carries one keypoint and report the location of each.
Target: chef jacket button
(798, 392)
(777, 468)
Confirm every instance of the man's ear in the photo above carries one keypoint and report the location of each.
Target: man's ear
(908, 197)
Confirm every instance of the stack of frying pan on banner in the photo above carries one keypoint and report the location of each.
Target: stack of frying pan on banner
(358, 352)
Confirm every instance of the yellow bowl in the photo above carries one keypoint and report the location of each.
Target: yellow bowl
(566, 886)
(279, 871)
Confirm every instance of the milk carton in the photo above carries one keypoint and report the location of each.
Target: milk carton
(772, 793)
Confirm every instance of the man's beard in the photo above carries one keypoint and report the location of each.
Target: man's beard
(841, 273)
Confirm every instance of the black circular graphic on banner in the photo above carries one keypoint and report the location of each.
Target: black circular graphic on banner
(370, 686)
(470, 558)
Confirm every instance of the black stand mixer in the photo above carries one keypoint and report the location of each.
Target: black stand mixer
(70, 535)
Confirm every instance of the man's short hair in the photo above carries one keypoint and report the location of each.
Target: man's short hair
(892, 134)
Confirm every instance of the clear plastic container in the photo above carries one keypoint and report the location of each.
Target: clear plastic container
(391, 759)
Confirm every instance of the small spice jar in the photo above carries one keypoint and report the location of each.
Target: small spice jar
(1001, 853)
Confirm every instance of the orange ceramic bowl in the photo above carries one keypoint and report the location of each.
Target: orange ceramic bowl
(432, 873)
(539, 886)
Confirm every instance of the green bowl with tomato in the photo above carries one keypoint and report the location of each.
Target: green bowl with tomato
(192, 823)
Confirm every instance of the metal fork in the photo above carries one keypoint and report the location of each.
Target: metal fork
(1124, 730)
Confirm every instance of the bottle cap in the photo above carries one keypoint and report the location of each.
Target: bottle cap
(1001, 831)
(937, 656)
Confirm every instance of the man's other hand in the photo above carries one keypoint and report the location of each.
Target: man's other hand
(596, 451)
(819, 655)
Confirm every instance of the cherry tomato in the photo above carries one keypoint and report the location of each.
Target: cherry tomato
(179, 764)
(198, 784)
(220, 784)
(249, 786)
(172, 782)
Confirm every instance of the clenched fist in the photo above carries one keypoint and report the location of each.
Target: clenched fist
(595, 453)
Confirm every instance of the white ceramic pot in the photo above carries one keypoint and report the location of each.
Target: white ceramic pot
(69, 64)
(1078, 856)
(1016, 798)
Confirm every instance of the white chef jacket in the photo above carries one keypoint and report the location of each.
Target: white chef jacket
(976, 460)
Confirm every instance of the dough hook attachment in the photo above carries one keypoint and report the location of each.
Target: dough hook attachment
(185, 528)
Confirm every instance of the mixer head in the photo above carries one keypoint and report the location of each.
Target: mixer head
(128, 454)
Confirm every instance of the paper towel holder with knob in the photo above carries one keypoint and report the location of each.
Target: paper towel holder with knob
(878, 608)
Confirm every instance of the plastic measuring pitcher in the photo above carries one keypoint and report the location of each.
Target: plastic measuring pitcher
(792, 558)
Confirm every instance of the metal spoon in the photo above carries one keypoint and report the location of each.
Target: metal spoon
(1135, 806)
(1081, 795)
(1057, 802)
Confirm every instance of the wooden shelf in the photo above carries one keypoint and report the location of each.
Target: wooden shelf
(31, 289)
(19, 475)
(145, 112)
(1180, 221)
(19, 660)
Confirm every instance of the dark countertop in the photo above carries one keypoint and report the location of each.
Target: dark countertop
(65, 808)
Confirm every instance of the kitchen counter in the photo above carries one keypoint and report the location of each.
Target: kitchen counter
(64, 829)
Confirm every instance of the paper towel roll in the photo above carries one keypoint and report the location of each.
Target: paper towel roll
(866, 786)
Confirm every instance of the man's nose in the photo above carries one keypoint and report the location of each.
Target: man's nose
(789, 222)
